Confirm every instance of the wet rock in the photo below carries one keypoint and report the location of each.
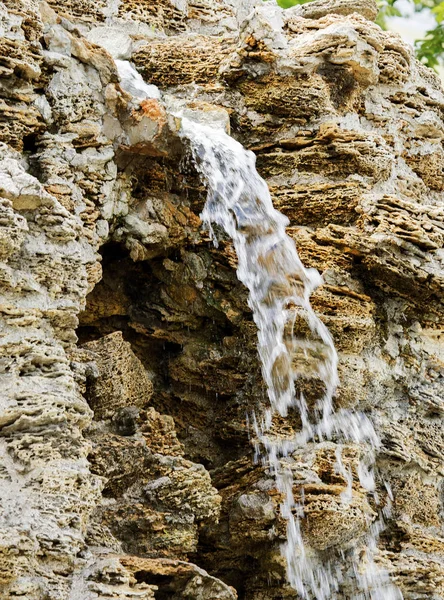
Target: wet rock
(347, 128)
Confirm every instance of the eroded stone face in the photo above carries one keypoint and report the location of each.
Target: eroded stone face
(126, 457)
(120, 381)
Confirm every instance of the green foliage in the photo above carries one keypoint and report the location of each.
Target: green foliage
(439, 12)
(429, 50)
(421, 4)
(290, 3)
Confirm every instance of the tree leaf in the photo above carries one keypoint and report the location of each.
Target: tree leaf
(438, 11)
(290, 3)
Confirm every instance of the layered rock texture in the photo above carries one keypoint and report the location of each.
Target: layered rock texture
(128, 361)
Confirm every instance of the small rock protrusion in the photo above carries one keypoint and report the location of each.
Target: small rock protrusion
(125, 420)
(322, 8)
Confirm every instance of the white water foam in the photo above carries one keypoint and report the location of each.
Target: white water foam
(279, 288)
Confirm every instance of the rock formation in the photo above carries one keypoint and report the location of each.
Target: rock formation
(128, 351)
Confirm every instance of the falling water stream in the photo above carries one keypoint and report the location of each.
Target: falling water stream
(294, 346)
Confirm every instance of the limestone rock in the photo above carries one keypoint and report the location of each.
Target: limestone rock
(121, 379)
(194, 60)
(154, 492)
(318, 9)
(181, 580)
(159, 496)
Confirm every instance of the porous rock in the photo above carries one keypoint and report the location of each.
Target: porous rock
(128, 352)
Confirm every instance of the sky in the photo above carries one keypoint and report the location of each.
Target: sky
(415, 25)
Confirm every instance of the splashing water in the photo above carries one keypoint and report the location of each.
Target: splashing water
(279, 290)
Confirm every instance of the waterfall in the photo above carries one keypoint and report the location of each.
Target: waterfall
(295, 348)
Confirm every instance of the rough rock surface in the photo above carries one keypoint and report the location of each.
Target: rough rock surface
(127, 350)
